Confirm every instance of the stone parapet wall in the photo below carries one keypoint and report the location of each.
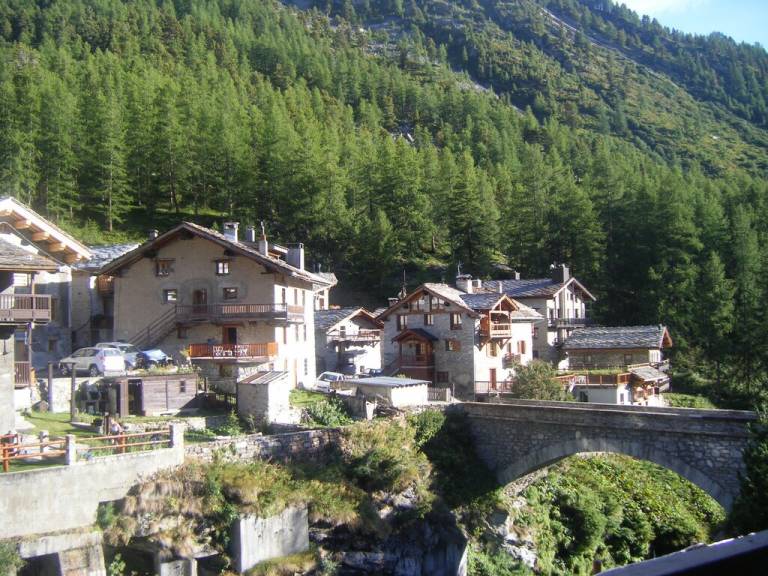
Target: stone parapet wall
(304, 445)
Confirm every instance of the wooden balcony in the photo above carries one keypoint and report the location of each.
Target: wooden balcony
(225, 312)
(569, 322)
(495, 330)
(23, 308)
(22, 374)
(416, 360)
(262, 350)
(361, 336)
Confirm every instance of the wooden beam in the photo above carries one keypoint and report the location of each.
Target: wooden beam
(72, 258)
(38, 236)
(57, 247)
(5, 212)
(22, 224)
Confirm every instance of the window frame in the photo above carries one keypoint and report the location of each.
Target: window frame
(167, 292)
(456, 322)
(221, 266)
(164, 267)
(230, 293)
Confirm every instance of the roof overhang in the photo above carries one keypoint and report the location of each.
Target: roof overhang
(415, 334)
(417, 293)
(46, 236)
(579, 285)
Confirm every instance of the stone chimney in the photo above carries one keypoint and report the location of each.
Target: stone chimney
(250, 234)
(230, 230)
(560, 273)
(152, 234)
(464, 283)
(295, 255)
(515, 275)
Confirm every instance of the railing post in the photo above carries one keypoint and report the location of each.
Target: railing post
(42, 437)
(50, 386)
(6, 464)
(121, 442)
(71, 449)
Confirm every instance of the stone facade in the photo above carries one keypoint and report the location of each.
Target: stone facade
(342, 345)
(266, 402)
(704, 446)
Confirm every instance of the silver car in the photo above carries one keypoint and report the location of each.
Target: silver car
(95, 361)
(129, 351)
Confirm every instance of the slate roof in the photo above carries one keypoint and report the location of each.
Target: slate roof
(103, 255)
(243, 248)
(448, 293)
(531, 287)
(482, 300)
(14, 258)
(329, 277)
(324, 319)
(649, 374)
(607, 338)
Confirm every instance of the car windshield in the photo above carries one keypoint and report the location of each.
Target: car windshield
(111, 352)
(88, 352)
(129, 349)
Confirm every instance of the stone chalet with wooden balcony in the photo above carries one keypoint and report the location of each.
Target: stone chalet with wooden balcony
(562, 302)
(35, 271)
(233, 307)
(347, 340)
(618, 364)
(469, 340)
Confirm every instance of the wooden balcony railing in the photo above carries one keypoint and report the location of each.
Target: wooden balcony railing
(416, 360)
(496, 330)
(232, 351)
(359, 336)
(22, 374)
(214, 312)
(566, 322)
(21, 308)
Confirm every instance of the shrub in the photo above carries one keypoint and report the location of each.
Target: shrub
(426, 425)
(10, 561)
(330, 412)
(750, 511)
(536, 380)
(678, 400)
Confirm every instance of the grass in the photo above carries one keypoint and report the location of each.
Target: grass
(678, 400)
(300, 563)
(304, 398)
(57, 424)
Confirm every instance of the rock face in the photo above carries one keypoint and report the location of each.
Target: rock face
(257, 539)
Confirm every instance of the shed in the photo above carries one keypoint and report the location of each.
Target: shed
(153, 394)
(398, 392)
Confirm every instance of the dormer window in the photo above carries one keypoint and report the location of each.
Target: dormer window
(222, 267)
(163, 267)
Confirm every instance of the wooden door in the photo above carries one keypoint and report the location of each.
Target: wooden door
(199, 301)
(492, 378)
(229, 334)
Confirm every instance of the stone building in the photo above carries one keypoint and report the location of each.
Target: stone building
(233, 307)
(562, 302)
(468, 339)
(347, 340)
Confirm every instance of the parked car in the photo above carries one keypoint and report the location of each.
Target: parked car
(129, 352)
(152, 358)
(325, 381)
(375, 372)
(94, 360)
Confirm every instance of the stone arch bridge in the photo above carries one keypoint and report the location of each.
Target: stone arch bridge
(518, 437)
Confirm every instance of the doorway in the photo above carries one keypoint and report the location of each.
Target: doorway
(200, 301)
(492, 378)
(229, 334)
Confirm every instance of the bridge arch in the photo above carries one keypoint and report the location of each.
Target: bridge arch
(553, 453)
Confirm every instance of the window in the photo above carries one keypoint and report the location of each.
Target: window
(455, 321)
(230, 293)
(182, 386)
(296, 296)
(181, 333)
(402, 322)
(535, 354)
(429, 320)
(627, 358)
(521, 346)
(163, 267)
(535, 333)
(442, 377)
(52, 345)
(285, 334)
(452, 345)
(492, 350)
(306, 367)
(54, 309)
(621, 398)
(170, 295)
(222, 267)
(282, 296)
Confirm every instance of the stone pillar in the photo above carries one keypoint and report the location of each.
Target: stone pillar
(177, 435)
(71, 448)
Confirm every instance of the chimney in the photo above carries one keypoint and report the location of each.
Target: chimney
(152, 234)
(464, 283)
(295, 255)
(250, 234)
(230, 230)
(499, 287)
(392, 301)
(560, 273)
(516, 275)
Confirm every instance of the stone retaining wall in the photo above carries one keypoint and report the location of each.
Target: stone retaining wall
(306, 445)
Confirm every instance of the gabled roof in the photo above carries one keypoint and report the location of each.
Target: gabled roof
(649, 374)
(14, 258)
(103, 255)
(328, 319)
(240, 248)
(489, 300)
(46, 236)
(534, 287)
(607, 338)
(419, 333)
(329, 277)
(447, 293)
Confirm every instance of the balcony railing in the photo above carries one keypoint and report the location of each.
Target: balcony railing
(416, 360)
(105, 284)
(232, 351)
(359, 336)
(510, 360)
(498, 387)
(213, 312)
(21, 308)
(496, 330)
(568, 322)
(22, 374)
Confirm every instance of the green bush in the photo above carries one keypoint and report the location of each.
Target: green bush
(678, 400)
(750, 511)
(494, 563)
(330, 412)
(426, 425)
(10, 561)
